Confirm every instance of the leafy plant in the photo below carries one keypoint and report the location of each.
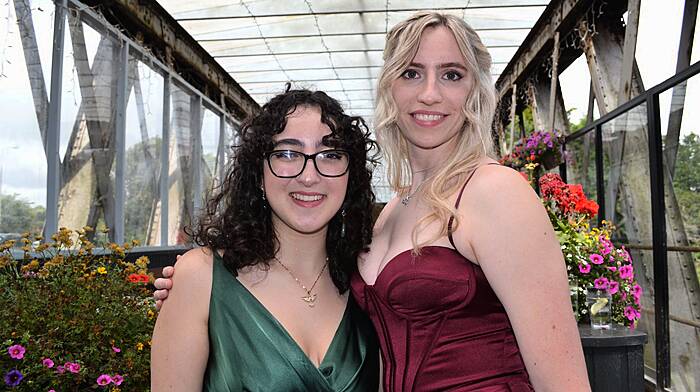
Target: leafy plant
(74, 318)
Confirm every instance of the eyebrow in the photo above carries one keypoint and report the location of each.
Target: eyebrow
(295, 143)
(443, 65)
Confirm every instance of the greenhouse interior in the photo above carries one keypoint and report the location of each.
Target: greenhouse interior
(120, 119)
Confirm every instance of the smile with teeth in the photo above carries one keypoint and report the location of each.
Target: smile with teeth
(427, 117)
(306, 197)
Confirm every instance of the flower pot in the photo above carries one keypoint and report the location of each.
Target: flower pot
(550, 159)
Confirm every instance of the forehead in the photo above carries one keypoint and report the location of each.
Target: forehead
(304, 124)
(438, 45)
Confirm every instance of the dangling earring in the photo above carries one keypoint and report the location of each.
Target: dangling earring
(342, 226)
(263, 198)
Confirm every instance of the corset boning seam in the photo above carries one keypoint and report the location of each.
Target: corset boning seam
(369, 293)
(428, 350)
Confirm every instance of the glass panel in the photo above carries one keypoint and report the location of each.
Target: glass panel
(628, 206)
(210, 152)
(144, 130)
(681, 138)
(91, 64)
(180, 187)
(580, 164)
(25, 59)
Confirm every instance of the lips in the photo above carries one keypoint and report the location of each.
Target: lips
(307, 199)
(428, 119)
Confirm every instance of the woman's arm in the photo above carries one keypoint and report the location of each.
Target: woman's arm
(514, 242)
(180, 338)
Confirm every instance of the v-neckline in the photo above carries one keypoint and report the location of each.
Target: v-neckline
(289, 336)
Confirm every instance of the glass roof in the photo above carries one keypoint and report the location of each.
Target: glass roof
(332, 45)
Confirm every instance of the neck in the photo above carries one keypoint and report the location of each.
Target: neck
(303, 253)
(425, 162)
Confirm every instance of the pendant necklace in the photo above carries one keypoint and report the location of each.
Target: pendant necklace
(309, 298)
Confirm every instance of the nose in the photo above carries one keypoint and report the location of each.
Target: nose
(309, 176)
(430, 90)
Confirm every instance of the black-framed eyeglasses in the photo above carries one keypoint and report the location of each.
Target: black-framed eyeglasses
(290, 163)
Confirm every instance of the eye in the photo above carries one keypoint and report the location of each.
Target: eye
(285, 155)
(452, 76)
(334, 155)
(410, 74)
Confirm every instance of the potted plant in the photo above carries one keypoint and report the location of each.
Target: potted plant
(74, 318)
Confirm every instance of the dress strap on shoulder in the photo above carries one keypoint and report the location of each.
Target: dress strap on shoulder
(459, 198)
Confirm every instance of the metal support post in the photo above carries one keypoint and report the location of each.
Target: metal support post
(120, 143)
(599, 178)
(165, 163)
(555, 77)
(53, 162)
(659, 251)
(196, 129)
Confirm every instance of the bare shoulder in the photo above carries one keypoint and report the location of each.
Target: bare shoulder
(193, 276)
(498, 188)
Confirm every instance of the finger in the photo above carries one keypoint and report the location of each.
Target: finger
(168, 272)
(163, 284)
(159, 303)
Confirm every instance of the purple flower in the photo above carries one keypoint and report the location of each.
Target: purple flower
(16, 351)
(117, 379)
(13, 378)
(60, 369)
(601, 283)
(584, 268)
(613, 287)
(596, 259)
(626, 272)
(47, 362)
(103, 380)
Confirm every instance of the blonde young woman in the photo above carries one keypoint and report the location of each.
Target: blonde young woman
(465, 282)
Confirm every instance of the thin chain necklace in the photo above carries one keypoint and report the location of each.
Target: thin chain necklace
(407, 198)
(309, 298)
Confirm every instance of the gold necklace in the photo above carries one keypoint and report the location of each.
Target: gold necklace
(309, 298)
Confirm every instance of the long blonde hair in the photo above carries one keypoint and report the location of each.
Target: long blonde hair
(474, 140)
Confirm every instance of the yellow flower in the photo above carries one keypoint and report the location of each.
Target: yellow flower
(142, 262)
(101, 270)
(151, 314)
(139, 346)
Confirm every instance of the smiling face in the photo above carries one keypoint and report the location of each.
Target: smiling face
(432, 91)
(307, 202)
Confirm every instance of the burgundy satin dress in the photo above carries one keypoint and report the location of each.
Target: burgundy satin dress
(440, 325)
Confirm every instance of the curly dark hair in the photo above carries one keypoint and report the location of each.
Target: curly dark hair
(238, 221)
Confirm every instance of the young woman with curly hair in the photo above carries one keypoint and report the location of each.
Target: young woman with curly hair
(263, 305)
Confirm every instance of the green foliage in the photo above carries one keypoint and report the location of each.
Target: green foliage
(686, 185)
(91, 315)
(19, 216)
(141, 187)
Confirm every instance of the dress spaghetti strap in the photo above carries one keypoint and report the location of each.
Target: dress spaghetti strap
(459, 198)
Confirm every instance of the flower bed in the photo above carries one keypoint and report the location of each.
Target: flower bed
(75, 320)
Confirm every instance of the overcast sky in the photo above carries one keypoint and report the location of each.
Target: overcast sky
(21, 154)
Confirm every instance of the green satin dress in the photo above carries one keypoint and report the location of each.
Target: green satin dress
(249, 350)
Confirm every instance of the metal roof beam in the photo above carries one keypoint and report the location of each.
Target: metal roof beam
(165, 36)
(382, 11)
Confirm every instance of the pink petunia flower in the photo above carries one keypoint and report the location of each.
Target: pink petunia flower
(613, 287)
(72, 367)
(103, 380)
(601, 283)
(47, 362)
(596, 259)
(613, 269)
(60, 369)
(631, 313)
(116, 349)
(117, 379)
(16, 351)
(637, 291)
(52, 390)
(626, 272)
(584, 268)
